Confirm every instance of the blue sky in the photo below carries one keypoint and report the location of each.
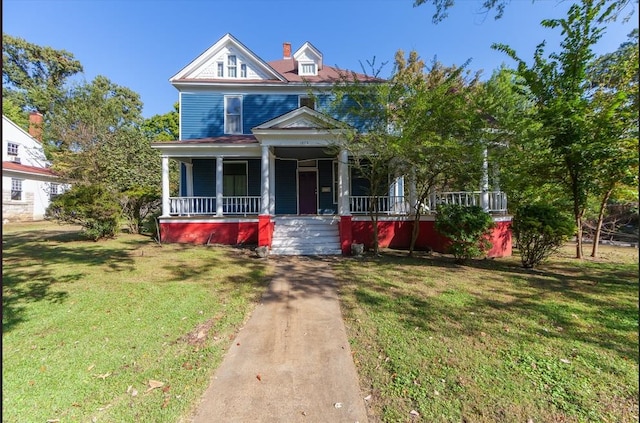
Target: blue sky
(140, 44)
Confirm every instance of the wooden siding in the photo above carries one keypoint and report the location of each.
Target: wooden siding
(325, 179)
(260, 108)
(286, 189)
(254, 167)
(204, 177)
(202, 115)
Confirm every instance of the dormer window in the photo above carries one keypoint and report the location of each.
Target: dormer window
(308, 68)
(231, 66)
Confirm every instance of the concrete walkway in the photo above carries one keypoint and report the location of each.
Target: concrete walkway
(292, 361)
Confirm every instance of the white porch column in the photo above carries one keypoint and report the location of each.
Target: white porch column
(189, 168)
(264, 179)
(484, 196)
(343, 184)
(166, 206)
(219, 185)
(272, 183)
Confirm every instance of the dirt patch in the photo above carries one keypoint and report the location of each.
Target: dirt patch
(199, 335)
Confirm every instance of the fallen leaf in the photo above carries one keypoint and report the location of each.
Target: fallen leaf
(153, 384)
(259, 377)
(367, 398)
(166, 389)
(91, 367)
(414, 413)
(338, 405)
(565, 361)
(103, 376)
(166, 402)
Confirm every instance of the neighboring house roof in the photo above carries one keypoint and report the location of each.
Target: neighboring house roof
(27, 170)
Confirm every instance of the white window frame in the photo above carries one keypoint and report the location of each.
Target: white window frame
(13, 148)
(301, 99)
(220, 71)
(232, 66)
(227, 114)
(310, 72)
(243, 70)
(16, 189)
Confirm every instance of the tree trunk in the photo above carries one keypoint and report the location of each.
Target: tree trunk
(415, 231)
(596, 236)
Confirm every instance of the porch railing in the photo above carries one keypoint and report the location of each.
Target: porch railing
(362, 204)
(496, 202)
(192, 206)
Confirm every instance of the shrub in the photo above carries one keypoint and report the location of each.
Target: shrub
(91, 206)
(468, 229)
(540, 230)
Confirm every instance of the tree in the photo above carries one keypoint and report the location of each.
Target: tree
(442, 7)
(98, 140)
(614, 81)
(440, 127)
(560, 90)
(34, 76)
(370, 142)
(163, 127)
(468, 229)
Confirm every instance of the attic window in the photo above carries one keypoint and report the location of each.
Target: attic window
(220, 70)
(231, 66)
(308, 68)
(305, 100)
(12, 149)
(243, 71)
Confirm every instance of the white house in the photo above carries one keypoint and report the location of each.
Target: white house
(28, 184)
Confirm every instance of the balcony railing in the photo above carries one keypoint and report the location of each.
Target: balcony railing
(496, 202)
(194, 206)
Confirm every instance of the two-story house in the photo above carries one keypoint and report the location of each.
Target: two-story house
(27, 182)
(256, 165)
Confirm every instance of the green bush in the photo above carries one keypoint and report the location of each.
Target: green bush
(540, 230)
(467, 227)
(93, 207)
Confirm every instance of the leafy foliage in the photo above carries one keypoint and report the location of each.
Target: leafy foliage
(468, 229)
(163, 127)
(540, 230)
(34, 76)
(94, 207)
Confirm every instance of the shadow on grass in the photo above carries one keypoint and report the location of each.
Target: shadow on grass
(594, 305)
(34, 262)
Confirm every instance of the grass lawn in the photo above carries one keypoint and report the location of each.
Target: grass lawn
(492, 342)
(122, 330)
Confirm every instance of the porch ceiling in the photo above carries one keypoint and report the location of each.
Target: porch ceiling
(302, 153)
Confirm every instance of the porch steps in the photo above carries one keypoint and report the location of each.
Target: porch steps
(306, 236)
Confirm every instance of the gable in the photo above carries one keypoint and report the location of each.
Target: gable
(228, 60)
(301, 118)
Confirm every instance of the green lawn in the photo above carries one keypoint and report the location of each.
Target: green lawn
(127, 330)
(117, 331)
(492, 342)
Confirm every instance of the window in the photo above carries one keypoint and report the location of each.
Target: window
(54, 191)
(233, 115)
(243, 71)
(12, 149)
(16, 189)
(231, 66)
(307, 68)
(234, 179)
(220, 70)
(307, 101)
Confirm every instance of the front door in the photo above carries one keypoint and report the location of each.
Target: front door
(307, 192)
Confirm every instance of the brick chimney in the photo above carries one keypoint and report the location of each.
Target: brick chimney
(286, 50)
(35, 125)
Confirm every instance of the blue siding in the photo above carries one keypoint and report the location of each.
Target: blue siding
(260, 108)
(325, 179)
(254, 170)
(286, 187)
(202, 115)
(204, 177)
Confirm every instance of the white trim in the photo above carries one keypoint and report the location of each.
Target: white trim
(169, 219)
(228, 97)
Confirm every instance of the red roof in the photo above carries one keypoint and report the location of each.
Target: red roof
(286, 68)
(27, 169)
